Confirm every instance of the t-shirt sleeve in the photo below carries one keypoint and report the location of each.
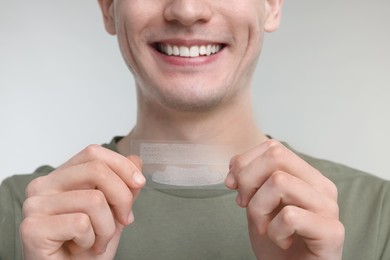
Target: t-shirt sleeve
(384, 234)
(12, 196)
(8, 230)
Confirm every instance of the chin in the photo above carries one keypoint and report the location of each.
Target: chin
(192, 104)
(189, 96)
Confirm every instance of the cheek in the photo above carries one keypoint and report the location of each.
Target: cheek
(249, 32)
(247, 21)
(129, 24)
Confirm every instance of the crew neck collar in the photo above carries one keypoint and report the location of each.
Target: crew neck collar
(198, 192)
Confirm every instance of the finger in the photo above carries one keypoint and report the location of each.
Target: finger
(136, 160)
(91, 202)
(244, 159)
(283, 188)
(239, 162)
(91, 175)
(278, 158)
(140, 179)
(318, 232)
(230, 181)
(125, 168)
(48, 234)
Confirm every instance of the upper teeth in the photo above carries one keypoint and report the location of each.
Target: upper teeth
(193, 51)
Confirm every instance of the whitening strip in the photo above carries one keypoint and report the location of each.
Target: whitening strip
(178, 165)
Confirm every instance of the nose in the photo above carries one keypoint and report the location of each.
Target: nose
(188, 12)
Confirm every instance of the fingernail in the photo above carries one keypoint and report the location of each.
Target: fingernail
(130, 218)
(138, 178)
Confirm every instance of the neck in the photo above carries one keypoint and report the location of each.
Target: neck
(231, 123)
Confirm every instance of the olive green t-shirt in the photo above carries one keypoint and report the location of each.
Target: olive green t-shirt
(207, 224)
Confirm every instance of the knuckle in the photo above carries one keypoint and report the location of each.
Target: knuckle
(339, 232)
(92, 151)
(95, 198)
(332, 189)
(32, 237)
(328, 188)
(334, 209)
(289, 215)
(276, 154)
(82, 223)
(25, 227)
(276, 151)
(30, 206)
(271, 143)
(278, 179)
(34, 186)
(237, 162)
(28, 230)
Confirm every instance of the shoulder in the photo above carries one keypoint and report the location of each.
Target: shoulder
(344, 176)
(354, 186)
(364, 203)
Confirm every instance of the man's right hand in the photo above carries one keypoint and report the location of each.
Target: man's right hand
(79, 210)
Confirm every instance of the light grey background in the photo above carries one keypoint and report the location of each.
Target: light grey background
(322, 83)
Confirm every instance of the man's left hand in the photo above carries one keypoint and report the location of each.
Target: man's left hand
(291, 207)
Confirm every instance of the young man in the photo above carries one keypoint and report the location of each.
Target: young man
(193, 62)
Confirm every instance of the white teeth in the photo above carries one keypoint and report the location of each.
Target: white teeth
(208, 50)
(176, 51)
(213, 49)
(184, 51)
(169, 50)
(193, 51)
(202, 50)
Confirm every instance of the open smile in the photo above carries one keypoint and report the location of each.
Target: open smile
(189, 51)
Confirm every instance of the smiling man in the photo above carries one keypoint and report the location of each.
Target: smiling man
(193, 63)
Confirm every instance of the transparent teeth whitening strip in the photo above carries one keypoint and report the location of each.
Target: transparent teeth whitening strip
(180, 165)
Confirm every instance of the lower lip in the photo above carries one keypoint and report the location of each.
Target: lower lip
(188, 61)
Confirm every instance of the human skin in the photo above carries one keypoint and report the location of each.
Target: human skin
(291, 207)
(79, 210)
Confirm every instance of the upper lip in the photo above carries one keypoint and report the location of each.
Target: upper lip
(188, 42)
